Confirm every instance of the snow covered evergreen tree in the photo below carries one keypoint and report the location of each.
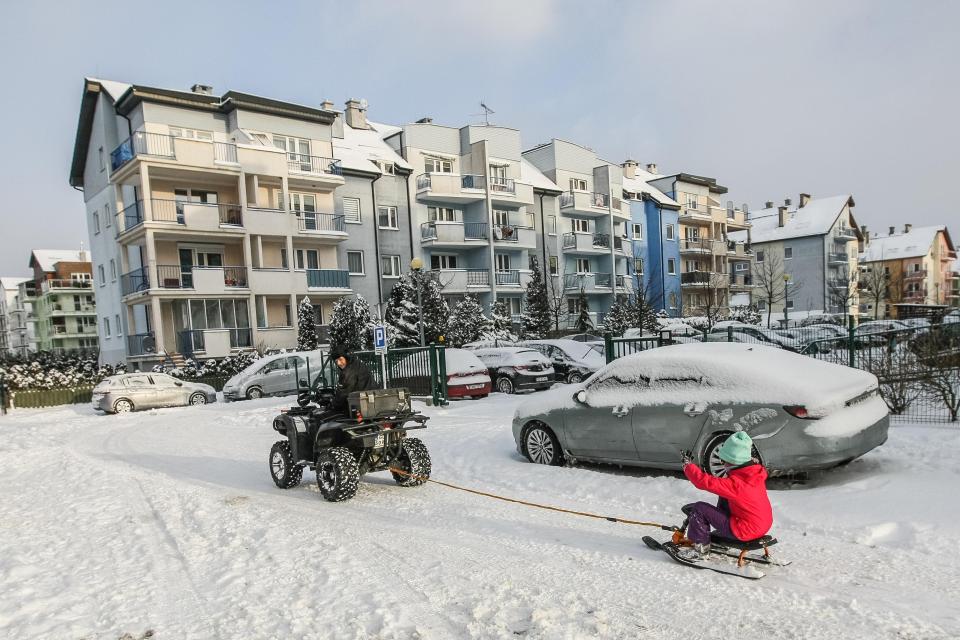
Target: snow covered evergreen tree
(746, 313)
(467, 322)
(403, 315)
(583, 323)
(307, 338)
(350, 324)
(619, 318)
(537, 316)
(501, 326)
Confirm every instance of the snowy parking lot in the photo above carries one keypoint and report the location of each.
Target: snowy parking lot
(168, 521)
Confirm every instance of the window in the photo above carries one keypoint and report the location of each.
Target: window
(670, 232)
(638, 266)
(108, 219)
(637, 231)
(351, 210)
(502, 262)
(787, 253)
(390, 266)
(118, 326)
(916, 267)
(443, 261)
(691, 201)
(284, 259)
(96, 222)
(306, 202)
(113, 270)
(552, 225)
(759, 255)
(355, 263)
(789, 304)
(673, 300)
(307, 258)
(387, 217)
(100, 275)
(388, 168)
(761, 305)
(581, 225)
(513, 305)
(443, 214)
(438, 165)
(298, 149)
(193, 134)
(740, 266)
(501, 218)
(671, 266)
(106, 327)
(578, 184)
(103, 165)
(583, 265)
(554, 265)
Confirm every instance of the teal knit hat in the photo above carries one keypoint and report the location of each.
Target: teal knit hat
(736, 449)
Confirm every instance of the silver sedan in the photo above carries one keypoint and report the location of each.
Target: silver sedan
(137, 391)
(643, 409)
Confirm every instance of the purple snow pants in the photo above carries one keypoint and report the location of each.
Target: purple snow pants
(701, 516)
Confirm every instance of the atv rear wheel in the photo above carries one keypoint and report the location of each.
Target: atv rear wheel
(338, 475)
(285, 472)
(415, 460)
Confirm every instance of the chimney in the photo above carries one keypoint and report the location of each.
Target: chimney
(746, 211)
(326, 105)
(781, 216)
(427, 120)
(629, 168)
(787, 202)
(202, 89)
(355, 114)
(804, 199)
(907, 227)
(768, 204)
(892, 231)
(652, 168)
(866, 236)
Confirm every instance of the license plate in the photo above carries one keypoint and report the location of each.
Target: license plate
(474, 386)
(542, 379)
(379, 442)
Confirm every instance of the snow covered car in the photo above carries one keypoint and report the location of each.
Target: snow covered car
(572, 361)
(467, 376)
(138, 391)
(276, 375)
(751, 334)
(515, 369)
(642, 410)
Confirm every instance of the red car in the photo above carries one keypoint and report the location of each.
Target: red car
(467, 377)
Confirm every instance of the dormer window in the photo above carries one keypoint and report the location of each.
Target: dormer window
(387, 168)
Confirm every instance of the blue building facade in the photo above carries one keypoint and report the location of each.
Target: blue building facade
(656, 252)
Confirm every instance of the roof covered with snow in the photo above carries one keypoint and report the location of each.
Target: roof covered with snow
(915, 244)
(529, 174)
(359, 148)
(815, 219)
(47, 259)
(640, 184)
(113, 88)
(10, 282)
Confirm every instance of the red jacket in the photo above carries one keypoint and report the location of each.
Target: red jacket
(746, 491)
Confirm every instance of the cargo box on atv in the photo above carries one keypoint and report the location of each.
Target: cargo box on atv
(378, 403)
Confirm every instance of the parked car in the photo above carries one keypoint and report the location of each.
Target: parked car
(515, 369)
(138, 391)
(467, 376)
(940, 346)
(877, 333)
(821, 319)
(584, 337)
(275, 375)
(572, 361)
(811, 339)
(489, 344)
(642, 410)
(919, 325)
(750, 333)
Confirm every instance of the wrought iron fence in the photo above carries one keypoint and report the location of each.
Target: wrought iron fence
(422, 370)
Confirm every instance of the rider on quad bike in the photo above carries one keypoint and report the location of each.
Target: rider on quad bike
(354, 376)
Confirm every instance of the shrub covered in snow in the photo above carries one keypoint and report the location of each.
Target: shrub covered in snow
(307, 338)
(350, 324)
(537, 317)
(747, 314)
(223, 368)
(45, 370)
(467, 322)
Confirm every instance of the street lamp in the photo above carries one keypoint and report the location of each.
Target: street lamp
(786, 300)
(417, 265)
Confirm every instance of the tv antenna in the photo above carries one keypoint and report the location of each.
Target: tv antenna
(486, 113)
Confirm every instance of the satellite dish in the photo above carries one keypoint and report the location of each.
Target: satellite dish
(363, 104)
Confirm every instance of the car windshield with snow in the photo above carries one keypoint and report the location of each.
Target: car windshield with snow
(514, 369)
(645, 408)
(572, 361)
(467, 376)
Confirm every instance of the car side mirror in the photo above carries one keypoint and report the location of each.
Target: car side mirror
(178, 383)
(580, 397)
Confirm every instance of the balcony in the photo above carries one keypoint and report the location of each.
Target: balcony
(515, 235)
(704, 279)
(702, 246)
(197, 215)
(443, 233)
(462, 280)
(142, 143)
(48, 286)
(450, 187)
(320, 223)
(214, 343)
(699, 215)
(130, 218)
(587, 281)
(507, 278)
(207, 280)
(838, 258)
(72, 310)
(328, 279)
(588, 243)
(919, 274)
(279, 222)
(838, 284)
(141, 344)
(625, 283)
(584, 202)
(736, 219)
(738, 250)
(135, 281)
(845, 235)
(741, 281)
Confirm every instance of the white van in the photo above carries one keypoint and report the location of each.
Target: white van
(275, 375)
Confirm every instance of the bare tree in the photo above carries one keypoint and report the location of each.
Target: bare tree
(770, 284)
(843, 290)
(556, 300)
(878, 285)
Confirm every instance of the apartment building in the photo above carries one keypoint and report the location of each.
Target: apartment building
(590, 220)
(953, 293)
(22, 319)
(812, 246)
(374, 202)
(918, 267)
(654, 233)
(471, 210)
(64, 309)
(9, 325)
(714, 268)
(210, 216)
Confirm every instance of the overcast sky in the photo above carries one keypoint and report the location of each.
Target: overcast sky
(770, 98)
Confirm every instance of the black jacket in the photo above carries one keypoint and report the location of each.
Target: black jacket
(353, 377)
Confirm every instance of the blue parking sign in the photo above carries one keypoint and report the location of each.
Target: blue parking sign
(380, 338)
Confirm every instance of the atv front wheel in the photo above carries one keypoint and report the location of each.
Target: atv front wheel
(415, 460)
(338, 475)
(285, 473)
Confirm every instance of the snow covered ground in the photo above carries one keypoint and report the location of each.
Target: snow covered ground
(168, 521)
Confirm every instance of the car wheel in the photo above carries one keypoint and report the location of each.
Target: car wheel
(712, 463)
(415, 460)
(122, 406)
(541, 446)
(505, 385)
(254, 392)
(198, 398)
(284, 472)
(338, 476)
(575, 377)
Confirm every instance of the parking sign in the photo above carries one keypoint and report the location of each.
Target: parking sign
(380, 339)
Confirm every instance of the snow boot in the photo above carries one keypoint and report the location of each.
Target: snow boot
(695, 553)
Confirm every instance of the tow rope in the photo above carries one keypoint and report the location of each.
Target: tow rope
(536, 505)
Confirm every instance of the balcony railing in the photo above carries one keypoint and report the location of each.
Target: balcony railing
(134, 281)
(428, 231)
(741, 280)
(303, 163)
(142, 143)
(478, 278)
(845, 235)
(502, 185)
(225, 152)
(508, 277)
(241, 338)
(312, 221)
(696, 245)
(699, 278)
(915, 275)
(475, 230)
(506, 233)
(235, 277)
(140, 344)
(584, 280)
(170, 276)
(190, 342)
(328, 279)
(48, 285)
(471, 182)
(130, 217)
(596, 200)
(838, 257)
(229, 214)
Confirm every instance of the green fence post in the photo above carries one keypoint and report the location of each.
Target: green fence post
(442, 365)
(851, 341)
(729, 334)
(608, 346)
(434, 384)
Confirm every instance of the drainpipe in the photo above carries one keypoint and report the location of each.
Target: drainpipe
(613, 242)
(663, 259)
(486, 188)
(376, 237)
(403, 154)
(543, 239)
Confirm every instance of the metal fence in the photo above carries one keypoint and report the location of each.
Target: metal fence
(422, 370)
